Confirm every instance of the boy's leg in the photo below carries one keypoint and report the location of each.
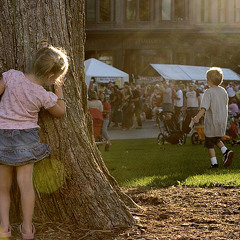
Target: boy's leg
(227, 154)
(5, 185)
(25, 183)
(212, 155)
(209, 144)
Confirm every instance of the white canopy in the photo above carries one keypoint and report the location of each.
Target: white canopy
(103, 72)
(190, 73)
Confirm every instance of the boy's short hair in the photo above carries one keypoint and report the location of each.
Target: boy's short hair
(215, 75)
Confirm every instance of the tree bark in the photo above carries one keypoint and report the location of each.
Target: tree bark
(73, 185)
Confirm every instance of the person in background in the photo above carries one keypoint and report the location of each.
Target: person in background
(115, 100)
(178, 102)
(231, 91)
(167, 103)
(92, 85)
(136, 100)
(215, 107)
(94, 102)
(156, 102)
(233, 107)
(106, 112)
(192, 99)
(127, 108)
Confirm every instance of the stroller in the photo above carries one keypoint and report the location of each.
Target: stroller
(168, 129)
(97, 118)
(198, 136)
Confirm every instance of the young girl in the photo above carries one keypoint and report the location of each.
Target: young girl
(22, 97)
(106, 112)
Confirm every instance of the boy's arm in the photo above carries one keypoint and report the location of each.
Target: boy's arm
(199, 115)
(2, 86)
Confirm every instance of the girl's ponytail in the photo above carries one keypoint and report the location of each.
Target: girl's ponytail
(50, 60)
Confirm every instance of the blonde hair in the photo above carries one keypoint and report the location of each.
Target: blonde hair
(215, 75)
(50, 60)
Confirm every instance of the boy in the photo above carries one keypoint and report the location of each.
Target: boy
(215, 106)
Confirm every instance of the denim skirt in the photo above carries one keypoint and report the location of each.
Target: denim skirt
(21, 146)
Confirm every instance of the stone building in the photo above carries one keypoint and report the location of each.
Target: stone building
(131, 34)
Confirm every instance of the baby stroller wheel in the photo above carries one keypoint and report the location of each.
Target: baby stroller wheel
(161, 139)
(195, 138)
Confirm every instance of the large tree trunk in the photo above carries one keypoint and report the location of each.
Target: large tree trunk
(73, 184)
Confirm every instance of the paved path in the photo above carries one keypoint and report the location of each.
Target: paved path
(148, 131)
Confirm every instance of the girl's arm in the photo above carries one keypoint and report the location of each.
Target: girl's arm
(2, 86)
(60, 108)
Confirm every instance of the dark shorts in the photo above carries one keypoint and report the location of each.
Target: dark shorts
(19, 147)
(210, 142)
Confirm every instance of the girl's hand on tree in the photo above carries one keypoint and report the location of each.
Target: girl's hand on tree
(60, 108)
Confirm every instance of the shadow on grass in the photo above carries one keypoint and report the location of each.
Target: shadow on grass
(142, 162)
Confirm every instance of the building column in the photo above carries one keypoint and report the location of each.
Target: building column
(214, 11)
(230, 12)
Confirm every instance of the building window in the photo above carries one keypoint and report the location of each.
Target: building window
(144, 10)
(99, 11)
(91, 10)
(105, 10)
(237, 11)
(138, 10)
(176, 10)
(166, 10)
(179, 10)
(131, 8)
(206, 11)
(222, 11)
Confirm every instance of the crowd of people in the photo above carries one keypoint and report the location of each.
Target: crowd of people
(131, 105)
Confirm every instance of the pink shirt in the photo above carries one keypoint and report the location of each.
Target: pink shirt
(21, 101)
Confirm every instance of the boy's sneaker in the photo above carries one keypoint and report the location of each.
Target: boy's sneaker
(213, 166)
(227, 158)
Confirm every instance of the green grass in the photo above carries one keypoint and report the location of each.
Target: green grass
(141, 162)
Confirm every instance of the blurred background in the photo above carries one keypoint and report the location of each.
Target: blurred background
(132, 34)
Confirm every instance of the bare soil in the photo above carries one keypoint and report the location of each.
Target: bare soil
(185, 213)
(170, 213)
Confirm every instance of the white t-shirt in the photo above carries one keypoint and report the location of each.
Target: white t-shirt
(95, 104)
(215, 101)
(167, 95)
(179, 102)
(192, 99)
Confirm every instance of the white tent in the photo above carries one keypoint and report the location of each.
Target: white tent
(190, 73)
(103, 73)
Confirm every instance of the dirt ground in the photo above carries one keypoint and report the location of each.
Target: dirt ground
(172, 213)
(185, 213)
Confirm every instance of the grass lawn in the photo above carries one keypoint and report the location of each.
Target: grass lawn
(141, 162)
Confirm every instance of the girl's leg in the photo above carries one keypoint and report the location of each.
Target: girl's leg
(105, 130)
(5, 185)
(25, 183)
